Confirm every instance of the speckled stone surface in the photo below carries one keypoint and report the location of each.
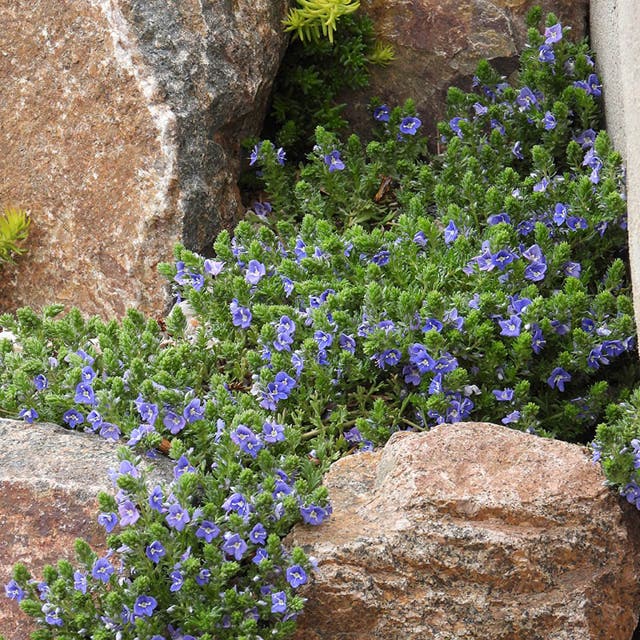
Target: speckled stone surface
(49, 481)
(120, 129)
(472, 531)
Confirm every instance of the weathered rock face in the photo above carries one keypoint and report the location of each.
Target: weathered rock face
(472, 531)
(49, 481)
(120, 130)
(438, 44)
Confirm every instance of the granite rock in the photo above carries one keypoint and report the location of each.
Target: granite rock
(438, 44)
(50, 478)
(472, 530)
(120, 131)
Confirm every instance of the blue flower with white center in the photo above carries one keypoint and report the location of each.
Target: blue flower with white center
(80, 581)
(155, 551)
(553, 34)
(207, 530)
(238, 503)
(177, 517)
(258, 535)
(558, 378)
(102, 570)
(410, 125)
(84, 394)
(526, 99)
(278, 602)
(296, 576)
(334, 161)
(177, 580)
(40, 382)
(174, 422)
(213, 267)
(13, 591)
(503, 395)
(313, 514)
(419, 357)
(511, 418)
(454, 125)
(450, 232)
(381, 113)
(549, 121)
(255, 272)
(240, 316)
(535, 272)
(246, 440)
(480, 109)
(234, 546)
(510, 327)
(546, 54)
(73, 418)
(272, 432)
(108, 521)
(194, 411)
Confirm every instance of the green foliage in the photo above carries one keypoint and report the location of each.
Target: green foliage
(313, 74)
(382, 289)
(14, 229)
(314, 19)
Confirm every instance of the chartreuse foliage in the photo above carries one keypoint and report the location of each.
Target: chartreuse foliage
(380, 289)
(14, 228)
(313, 19)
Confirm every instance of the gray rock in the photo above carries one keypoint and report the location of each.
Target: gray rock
(472, 531)
(122, 137)
(50, 478)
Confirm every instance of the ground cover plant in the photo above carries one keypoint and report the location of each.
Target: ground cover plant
(379, 288)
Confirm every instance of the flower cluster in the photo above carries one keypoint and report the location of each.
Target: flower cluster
(381, 289)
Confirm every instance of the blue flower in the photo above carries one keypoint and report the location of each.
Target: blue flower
(213, 267)
(450, 232)
(177, 580)
(313, 514)
(502, 259)
(572, 269)
(537, 339)
(526, 99)
(238, 503)
(255, 272)
(410, 125)
(177, 517)
(516, 150)
(194, 411)
(497, 218)
(334, 161)
(545, 53)
(535, 271)
(419, 357)
(388, 358)
(512, 417)
(549, 121)
(182, 466)
(255, 154)
(128, 512)
(102, 570)
(73, 418)
(454, 125)
(240, 316)
(381, 113)
(207, 531)
(278, 602)
(296, 576)
(272, 431)
(13, 591)
(40, 382)
(247, 440)
(281, 156)
(558, 378)
(480, 109)
(174, 422)
(503, 395)
(234, 546)
(84, 394)
(510, 327)
(80, 581)
(258, 535)
(52, 615)
(553, 34)
(28, 415)
(155, 551)
(108, 521)
(144, 606)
